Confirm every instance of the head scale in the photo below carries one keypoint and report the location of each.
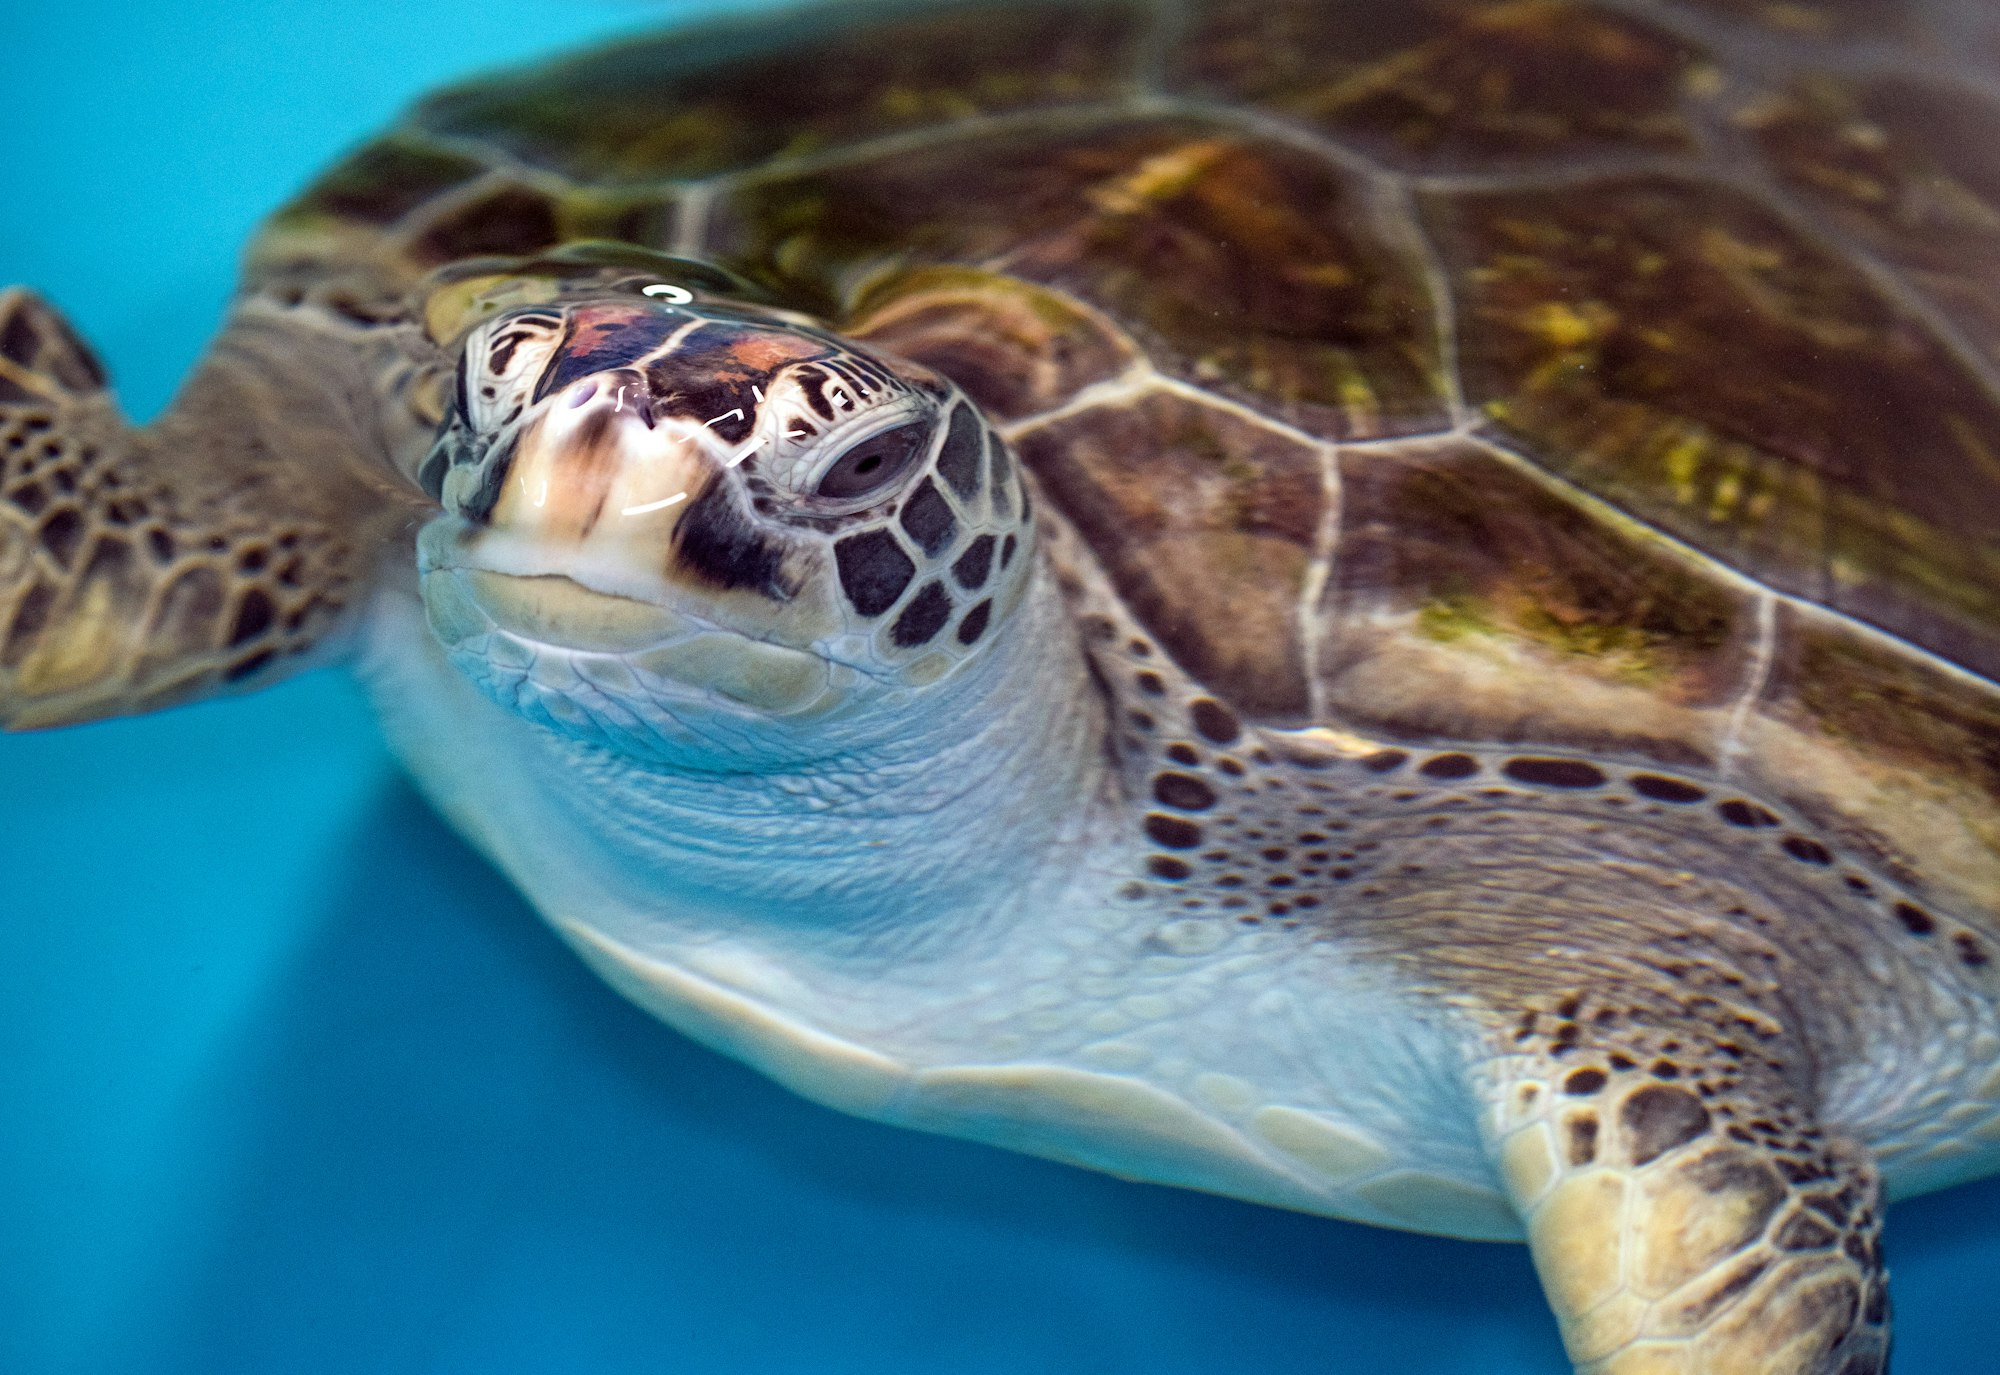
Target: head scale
(672, 521)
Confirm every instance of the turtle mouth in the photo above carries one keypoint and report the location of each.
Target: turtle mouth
(549, 609)
(665, 654)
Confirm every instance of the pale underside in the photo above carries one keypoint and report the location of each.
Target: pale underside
(1197, 1054)
(1069, 1020)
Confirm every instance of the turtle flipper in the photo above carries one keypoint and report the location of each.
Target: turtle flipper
(1687, 1218)
(144, 567)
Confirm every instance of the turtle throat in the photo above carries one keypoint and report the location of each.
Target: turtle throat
(880, 811)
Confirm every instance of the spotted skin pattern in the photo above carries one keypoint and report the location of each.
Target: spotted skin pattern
(131, 579)
(1522, 472)
(1659, 1128)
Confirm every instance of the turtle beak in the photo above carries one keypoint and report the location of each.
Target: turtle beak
(592, 467)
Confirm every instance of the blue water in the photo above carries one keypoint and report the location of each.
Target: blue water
(290, 1082)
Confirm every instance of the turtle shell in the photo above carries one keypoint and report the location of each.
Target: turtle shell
(1610, 376)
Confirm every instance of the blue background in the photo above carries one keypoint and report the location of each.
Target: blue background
(290, 1081)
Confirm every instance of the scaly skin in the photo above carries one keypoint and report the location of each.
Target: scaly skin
(1675, 1024)
(1750, 1064)
(216, 548)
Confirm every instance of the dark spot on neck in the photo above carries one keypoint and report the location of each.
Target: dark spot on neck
(1738, 812)
(1661, 789)
(1215, 722)
(1582, 1139)
(1915, 919)
(1554, 773)
(1172, 831)
(1807, 850)
(1183, 791)
(1582, 1083)
(1449, 766)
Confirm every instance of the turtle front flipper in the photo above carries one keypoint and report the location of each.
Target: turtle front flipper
(1686, 1213)
(142, 567)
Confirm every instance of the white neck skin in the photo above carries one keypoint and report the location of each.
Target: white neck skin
(941, 798)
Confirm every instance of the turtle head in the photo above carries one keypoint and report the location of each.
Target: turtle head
(670, 523)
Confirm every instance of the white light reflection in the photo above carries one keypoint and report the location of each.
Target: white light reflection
(659, 505)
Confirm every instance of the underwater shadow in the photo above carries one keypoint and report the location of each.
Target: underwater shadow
(459, 1151)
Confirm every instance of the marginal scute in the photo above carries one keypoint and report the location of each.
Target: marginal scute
(1471, 599)
(1239, 264)
(39, 351)
(1888, 753)
(1683, 353)
(382, 182)
(1426, 85)
(1206, 524)
(507, 220)
(692, 104)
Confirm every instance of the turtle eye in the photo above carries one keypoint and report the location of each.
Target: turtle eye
(874, 463)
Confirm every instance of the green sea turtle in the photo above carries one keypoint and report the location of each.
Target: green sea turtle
(1390, 609)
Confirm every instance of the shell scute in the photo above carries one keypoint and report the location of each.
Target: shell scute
(1897, 752)
(1207, 524)
(1824, 19)
(1527, 615)
(1435, 85)
(1339, 216)
(687, 105)
(1015, 348)
(505, 221)
(1237, 264)
(1679, 351)
(382, 182)
(1910, 171)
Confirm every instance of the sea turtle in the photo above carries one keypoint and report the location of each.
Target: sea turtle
(1386, 608)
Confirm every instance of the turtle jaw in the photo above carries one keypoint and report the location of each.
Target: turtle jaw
(515, 629)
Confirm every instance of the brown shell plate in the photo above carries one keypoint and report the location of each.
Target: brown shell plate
(1612, 374)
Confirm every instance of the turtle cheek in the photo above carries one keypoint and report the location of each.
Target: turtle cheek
(719, 546)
